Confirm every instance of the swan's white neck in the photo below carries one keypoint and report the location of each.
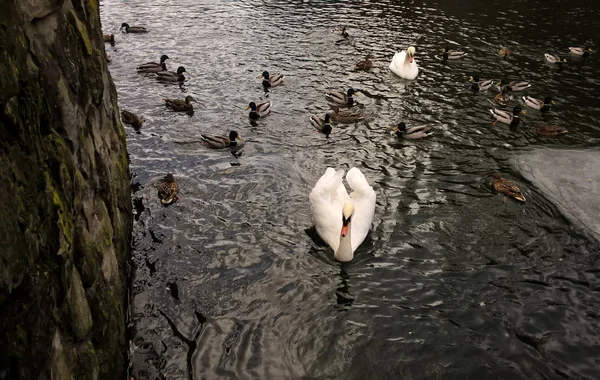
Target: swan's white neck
(344, 251)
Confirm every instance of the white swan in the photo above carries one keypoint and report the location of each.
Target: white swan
(404, 65)
(342, 221)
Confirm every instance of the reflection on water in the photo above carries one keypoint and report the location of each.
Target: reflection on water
(232, 283)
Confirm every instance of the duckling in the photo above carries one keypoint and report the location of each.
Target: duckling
(153, 67)
(502, 99)
(538, 104)
(181, 105)
(549, 130)
(271, 81)
(504, 52)
(554, 59)
(168, 190)
(171, 76)
(412, 133)
(258, 111)
(580, 51)
(506, 186)
(507, 118)
(338, 97)
(365, 64)
(453, 54)
(322, 125)
(132, 119)
(345, 117)
(221, 142)
(133, 29)
(109, 38)
(480, 85)
(517, 85)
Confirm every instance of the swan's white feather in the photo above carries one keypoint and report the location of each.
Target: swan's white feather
(363, 196)
(402, 66)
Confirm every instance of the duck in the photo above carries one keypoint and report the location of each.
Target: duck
(517, 85)
(554, 59)
(341, 98)
(109, 38)
(181, 105)
(580, 51)
(506, 186)
(345, 117)
(345, 33)
(153, 67)
(133, 29)
(258, 111)
(453, 54)
(542, 105)
(221, 142)
(322, 125)
(478, 85)
(171, 76)
(504, 52)
(271, 81)
(168, 189)
(502, 98)
(404, 65)
(132, 119)
(365, 64)
(341, 220)
(550, 130)
(412, 133)
(506, 118)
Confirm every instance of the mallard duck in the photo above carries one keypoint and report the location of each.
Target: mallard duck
(168, 189)
(365, 64)
(549, 130)
(504, 52)
(345, 116)
(453, 54)
(271, 80)
(404, 65)
(132, 119)
(221, 142)
(258, 111)
(133, 29)
(412, 133)
(343, 221)
(480, 85)
(322, 125)
(181, 105)
(542, 105)
(153, 67)
(341, 98)
(517, 85)
(109, 38)
(580, 51)
(507, 118)
(554, 59)
(171, 76)
(502, 99)
(506, 186)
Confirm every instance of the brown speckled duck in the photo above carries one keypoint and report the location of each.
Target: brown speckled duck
(505, 186)
(132, 119)
(168, 190)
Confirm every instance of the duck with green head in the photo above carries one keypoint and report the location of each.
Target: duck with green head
(133, 29)
(516, 85)
(170, 76)
(322, 125)
(542, 105)
(506, 117)
(412, 133)
(341, 98)
(453, 54)
(258, 111)
(584, 52)
(480, 85)
(154, 67)
(222, 142)
(271, 80)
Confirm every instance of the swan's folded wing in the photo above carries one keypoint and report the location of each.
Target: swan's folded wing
(326, 201)
(364, 198)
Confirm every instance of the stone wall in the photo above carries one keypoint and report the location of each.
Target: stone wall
(65, 206)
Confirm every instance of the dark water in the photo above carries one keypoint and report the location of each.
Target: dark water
(230, 282)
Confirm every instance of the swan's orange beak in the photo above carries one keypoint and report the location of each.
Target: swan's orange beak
(411, 59)
(345, 230)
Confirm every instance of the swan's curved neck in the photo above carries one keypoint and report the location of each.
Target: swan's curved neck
(344, 251)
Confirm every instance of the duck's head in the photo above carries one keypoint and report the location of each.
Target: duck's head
(233, 135)
(475, 78)
(124, 25)
(351, 92)
(589, 49)
(251, 106)
(549, 100)
(347, 212)
(400, 127)
(169, 178)
(518, 110)
(446, 49)
(494, 174)
(189, 99)
(327, 118)
(265, 74)
(411, 53)
(503, 83)
(163, 58)
(180, 70)
(334, 108)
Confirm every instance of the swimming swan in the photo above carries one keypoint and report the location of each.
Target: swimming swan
(342, 221)
(404, 65)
